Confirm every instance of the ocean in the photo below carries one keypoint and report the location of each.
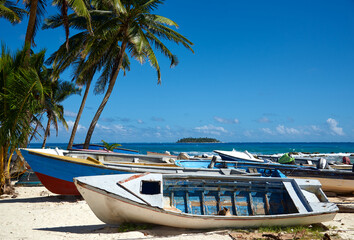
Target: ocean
(255, 148)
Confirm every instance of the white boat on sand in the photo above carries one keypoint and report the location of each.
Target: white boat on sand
(237, 156)
(201, 202)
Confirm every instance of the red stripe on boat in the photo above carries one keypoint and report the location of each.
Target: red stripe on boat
(58, 186)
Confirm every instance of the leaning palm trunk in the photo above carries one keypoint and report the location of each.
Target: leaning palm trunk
(31, 26)
(107, 95)
(76, 124)
(46, 131)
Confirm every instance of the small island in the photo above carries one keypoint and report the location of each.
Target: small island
(198, 140)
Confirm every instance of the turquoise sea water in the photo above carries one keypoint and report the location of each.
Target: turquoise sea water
(255, 148)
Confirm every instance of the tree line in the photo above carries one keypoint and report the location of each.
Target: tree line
(198, 140)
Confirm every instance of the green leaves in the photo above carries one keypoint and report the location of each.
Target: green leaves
(9, 11)
(110, 147)
(122, 28)
(21, 95)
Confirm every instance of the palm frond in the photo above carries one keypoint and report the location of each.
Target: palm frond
(9, 11)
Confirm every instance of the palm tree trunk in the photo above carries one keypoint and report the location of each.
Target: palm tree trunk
(107, 95)
(76, 124)
(30, 26)
(46, 131)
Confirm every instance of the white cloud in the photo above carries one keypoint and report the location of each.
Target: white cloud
(264, 120)
(228, 121)
(248, 133)
(210, 129)
(284, 130)
(111, 129)
(69, 114)
(333, 126)
(267, 130)
(140, 121)
(79, 127)
(315, 128)
(119, 127)
(99, 126)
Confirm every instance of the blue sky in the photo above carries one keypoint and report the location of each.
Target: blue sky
(262, 71)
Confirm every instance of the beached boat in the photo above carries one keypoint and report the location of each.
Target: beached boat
(112, 157)
(97, 147)
(337, 181)
(200, 202)
(237, 156)
(56, 171)
(308, 161)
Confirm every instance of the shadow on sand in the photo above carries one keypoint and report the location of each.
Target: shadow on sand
(154, 231)
(59, 198)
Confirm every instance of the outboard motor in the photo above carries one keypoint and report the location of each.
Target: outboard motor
(322, 163)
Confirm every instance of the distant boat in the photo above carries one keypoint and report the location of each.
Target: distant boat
(337, 181)
(56, 168)
(309, 161)
(237, 156)
(201, 202)
(98, 147)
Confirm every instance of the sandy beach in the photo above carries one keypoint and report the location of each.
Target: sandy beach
(38, 214)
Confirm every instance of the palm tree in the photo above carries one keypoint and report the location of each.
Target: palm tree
(110, 147)
(59, 91)
(86, 61)
(134, 28)
(37, 8)
(118, 28)
(21, 93)
(9, 11)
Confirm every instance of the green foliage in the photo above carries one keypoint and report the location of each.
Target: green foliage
(21, 97)
(36, 17)
(127, 27)
(111, 146)
(59, 91)
(198, 140)
(127, 227)
(9, 11)
(314, 231)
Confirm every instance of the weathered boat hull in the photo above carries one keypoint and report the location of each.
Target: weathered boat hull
(57, 172)
(113, 208)
(334, 185)
(337, 181)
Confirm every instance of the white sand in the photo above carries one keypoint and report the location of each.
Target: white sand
(38, 214)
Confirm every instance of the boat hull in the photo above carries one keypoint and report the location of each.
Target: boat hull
(57, 175)
(58, 186)
(57, 172)
(335, 185)
(340, 182)
(237, 156)
(113, 209)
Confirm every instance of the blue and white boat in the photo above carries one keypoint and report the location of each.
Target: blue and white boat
(201, 202)
(56, 168)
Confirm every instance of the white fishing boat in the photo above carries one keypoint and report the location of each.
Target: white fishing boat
(200, 202)
(237, 156)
